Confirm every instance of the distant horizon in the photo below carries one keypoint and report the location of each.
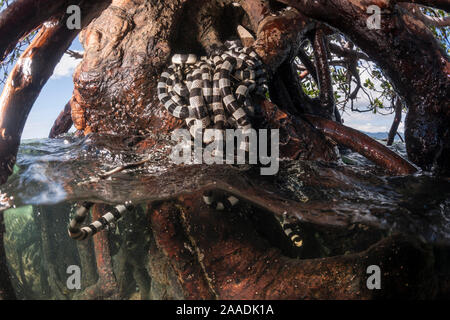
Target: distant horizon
(371, 134)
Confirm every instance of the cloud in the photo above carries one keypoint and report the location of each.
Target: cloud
(368, 127)
(65, 67)
(370, 122)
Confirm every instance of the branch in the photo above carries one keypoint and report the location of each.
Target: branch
(323, 72)
(346, 53)
(438, 4)
(74, 54)
(24, 16)
(63, 123)
(415, 11)
(363, 144)
(416, 77)
(308, 64)
(396, 122)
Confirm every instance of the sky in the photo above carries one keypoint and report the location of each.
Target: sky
(53, 97)
(58, 91)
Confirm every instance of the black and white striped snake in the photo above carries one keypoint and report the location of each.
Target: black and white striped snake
(79, 232)
(205, 90)
(292, 230)
(214, 89)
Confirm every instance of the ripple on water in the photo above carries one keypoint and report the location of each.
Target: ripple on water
(52, 171)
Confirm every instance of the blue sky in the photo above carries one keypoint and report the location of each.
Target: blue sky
(54, 96)
(58, 90)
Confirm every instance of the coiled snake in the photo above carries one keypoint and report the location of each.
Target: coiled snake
(214, 89)
(202, 91)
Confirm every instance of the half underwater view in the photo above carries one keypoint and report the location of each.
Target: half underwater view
(224, 150)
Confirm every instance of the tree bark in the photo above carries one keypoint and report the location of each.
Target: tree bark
(23, 16)
(299, 139)
(106, 286)
(395, 123)
(364, 145)
(439, 4)
(50, 261)
(321, 56)
(63, 123)
(218, 255)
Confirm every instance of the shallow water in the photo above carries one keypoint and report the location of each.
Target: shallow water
(52, 175)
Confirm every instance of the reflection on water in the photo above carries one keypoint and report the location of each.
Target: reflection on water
(52, 175)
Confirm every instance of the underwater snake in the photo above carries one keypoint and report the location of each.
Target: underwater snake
(199, 90)
(79, 232)
(292, 230)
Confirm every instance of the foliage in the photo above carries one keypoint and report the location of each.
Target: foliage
(360, 86)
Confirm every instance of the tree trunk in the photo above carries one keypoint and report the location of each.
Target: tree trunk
(396, 122)
(106, 286)
(365, 145)
(220, 255)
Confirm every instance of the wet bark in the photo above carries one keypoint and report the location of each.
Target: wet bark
(297, 135)
(321, 56)
(395, 123)
(48, 257)
(364, 145)
(87, 259)
(106, 286)
(219, 255)
(115, 84)
(43, 270)
(63, 123)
